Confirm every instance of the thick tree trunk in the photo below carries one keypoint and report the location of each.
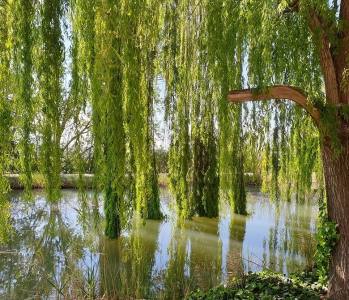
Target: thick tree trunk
(336, 169)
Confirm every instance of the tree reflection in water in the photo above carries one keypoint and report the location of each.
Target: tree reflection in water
(59, 250)
(126, 263)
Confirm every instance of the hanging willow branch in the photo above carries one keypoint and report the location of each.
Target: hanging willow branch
(23, 41)
(51, 72)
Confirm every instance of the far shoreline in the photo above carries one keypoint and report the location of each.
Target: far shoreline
(71, 181)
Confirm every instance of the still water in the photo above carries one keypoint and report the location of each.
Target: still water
(59, 251)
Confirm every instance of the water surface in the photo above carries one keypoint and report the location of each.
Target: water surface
(59, 251)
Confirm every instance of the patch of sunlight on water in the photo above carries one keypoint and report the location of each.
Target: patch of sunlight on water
(60, 251)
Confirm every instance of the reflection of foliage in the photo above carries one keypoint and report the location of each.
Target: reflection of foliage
(60, 251)
(129, 273)
(237, 237)
(5, 225)
(143, 247)
(49, 252)
(290, 239)
(177, 284)
(204, 259)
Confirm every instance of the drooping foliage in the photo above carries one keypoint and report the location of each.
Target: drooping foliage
(177, 66)
(141, 24)
(50, 73)
(22, 35)
(225, 56)
(108, 117)
(83, 75)
(6, 119)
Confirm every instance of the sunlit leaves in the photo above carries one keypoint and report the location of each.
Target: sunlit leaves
(141, 23)
(201, 50)
(50, 78)
(22, 35)
(6, 119)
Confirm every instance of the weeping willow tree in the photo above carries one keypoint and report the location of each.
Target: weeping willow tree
(206, 136)
(202, 50)
(204, 168)
(110, 52)
(303, 47)
(82, 51)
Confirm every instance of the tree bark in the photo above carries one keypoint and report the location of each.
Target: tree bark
(336, 170)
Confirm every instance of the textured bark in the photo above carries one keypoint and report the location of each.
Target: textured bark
(342, 54)
(336, 170)
(326, 58)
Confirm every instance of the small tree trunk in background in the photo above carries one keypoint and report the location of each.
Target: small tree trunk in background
(336, 169)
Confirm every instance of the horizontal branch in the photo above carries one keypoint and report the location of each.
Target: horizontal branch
(84, 130)
(277, 92)
(326, 57)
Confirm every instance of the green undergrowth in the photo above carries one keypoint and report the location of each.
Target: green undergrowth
(266, 285)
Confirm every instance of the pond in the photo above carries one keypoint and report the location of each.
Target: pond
(59, 251)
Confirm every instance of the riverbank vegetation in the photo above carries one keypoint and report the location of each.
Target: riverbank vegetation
(267, 285)
(83, 84)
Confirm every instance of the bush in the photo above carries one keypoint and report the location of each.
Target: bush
(266, 286)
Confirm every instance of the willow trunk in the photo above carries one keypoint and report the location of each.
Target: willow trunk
(336, 170)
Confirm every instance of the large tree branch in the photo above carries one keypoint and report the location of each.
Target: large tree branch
(342, 55)
(326, 58)
(344, 12)
(277, 92)
(321, 28)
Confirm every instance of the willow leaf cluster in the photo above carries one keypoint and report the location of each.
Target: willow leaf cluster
(22, 35)
(50, 73)
(141, 25)
(6, 119)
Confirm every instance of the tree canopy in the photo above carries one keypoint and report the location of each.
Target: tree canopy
(67, 61)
